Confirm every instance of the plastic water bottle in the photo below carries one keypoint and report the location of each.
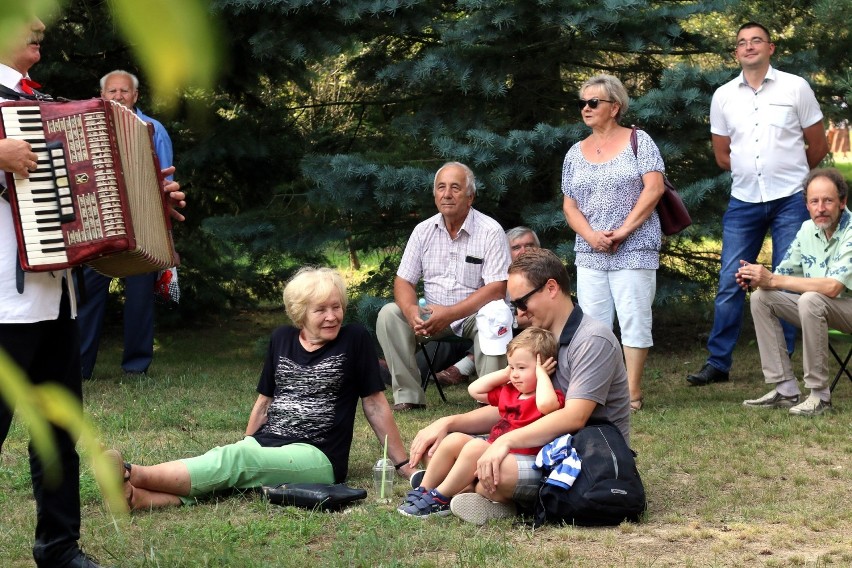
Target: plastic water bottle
(424, 313)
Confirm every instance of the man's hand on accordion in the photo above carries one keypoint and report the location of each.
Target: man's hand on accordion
(177, 198)
(16, 156)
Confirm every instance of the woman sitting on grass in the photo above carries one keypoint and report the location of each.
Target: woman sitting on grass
(523, 393)
(300, 429)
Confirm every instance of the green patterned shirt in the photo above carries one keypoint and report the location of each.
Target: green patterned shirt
(811, 255)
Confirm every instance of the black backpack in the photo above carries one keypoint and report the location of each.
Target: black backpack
(608, 490)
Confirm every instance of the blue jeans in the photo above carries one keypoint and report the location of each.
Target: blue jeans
(744, 227)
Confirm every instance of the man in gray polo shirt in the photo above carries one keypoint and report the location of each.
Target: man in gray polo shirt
(590, 371)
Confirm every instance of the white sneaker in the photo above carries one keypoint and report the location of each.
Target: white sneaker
(772, 399)
(813, 406)
(476, 509)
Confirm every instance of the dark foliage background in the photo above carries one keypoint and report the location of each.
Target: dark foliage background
(330, 117)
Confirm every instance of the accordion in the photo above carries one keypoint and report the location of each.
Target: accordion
(96, 196)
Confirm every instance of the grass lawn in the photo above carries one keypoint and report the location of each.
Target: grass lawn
(727, 486)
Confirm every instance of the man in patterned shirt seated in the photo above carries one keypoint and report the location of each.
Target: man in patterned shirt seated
(810, 289)
(462, 257)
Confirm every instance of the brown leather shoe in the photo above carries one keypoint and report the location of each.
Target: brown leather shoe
(405, 406)
(451, 376)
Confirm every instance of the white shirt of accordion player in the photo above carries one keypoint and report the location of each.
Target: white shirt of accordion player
(42, 290)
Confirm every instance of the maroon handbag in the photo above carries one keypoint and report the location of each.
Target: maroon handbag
(674, 217)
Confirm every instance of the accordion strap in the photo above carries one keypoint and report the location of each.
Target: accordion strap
(13, 95)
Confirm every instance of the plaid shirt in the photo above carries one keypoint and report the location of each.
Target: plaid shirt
(452, 269)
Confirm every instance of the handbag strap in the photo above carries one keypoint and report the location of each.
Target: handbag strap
(634, 141)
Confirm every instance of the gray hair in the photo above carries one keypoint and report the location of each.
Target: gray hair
(469, 178)
(133, 78)
(520, 231)
(614, 90)
(311, 285)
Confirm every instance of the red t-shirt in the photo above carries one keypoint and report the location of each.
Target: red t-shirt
(515, 413)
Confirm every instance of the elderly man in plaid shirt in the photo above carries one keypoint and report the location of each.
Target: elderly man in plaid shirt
(462, 257)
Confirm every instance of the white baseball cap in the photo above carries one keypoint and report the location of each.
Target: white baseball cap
(494, 327)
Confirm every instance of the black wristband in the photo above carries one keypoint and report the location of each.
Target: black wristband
(399, 465)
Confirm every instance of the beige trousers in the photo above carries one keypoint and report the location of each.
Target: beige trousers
(399, 345)
(814, 314)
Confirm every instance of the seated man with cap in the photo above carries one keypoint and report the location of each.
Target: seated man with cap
(462, 257)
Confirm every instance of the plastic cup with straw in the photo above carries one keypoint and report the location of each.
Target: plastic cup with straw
(380, 474)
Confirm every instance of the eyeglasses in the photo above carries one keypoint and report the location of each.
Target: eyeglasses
(754, 42)
(593, 103)
(521, 303)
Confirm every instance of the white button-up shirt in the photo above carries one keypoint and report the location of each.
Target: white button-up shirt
(42, 290)
(765, 126)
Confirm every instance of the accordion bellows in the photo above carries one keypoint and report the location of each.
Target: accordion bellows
(97, 196)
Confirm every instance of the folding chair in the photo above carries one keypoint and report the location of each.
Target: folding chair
(843, 362)
(430, 361)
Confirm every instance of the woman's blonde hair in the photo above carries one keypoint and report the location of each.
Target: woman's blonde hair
(614, 90)
(311, 285)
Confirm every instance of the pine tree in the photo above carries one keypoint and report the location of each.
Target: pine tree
(493, 84)
(331, 117)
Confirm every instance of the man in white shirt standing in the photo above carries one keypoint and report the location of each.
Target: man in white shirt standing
(38, 331)
(766, 128)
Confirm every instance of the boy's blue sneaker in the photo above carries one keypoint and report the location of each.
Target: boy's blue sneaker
(426, 505)
(412, 496)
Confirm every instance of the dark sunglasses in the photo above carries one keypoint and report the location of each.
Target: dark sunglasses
(521, 303)
(593, 103)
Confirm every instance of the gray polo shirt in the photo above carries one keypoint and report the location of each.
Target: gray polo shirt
(591, 367)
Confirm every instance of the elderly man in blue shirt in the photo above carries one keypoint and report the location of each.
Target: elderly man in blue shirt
(810, 289)
(123, 87)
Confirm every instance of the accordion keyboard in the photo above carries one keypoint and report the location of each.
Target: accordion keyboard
(44, 198)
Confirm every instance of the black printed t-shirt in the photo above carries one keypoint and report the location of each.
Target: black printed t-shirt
(315, 394)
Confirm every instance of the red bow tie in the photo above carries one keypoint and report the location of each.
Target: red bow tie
(27, 85)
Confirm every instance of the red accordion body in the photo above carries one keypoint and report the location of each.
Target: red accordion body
(97, 195)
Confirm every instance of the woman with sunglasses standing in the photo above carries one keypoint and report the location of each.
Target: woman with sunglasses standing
(611, 193)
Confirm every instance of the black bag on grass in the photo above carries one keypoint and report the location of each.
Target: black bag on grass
(321, 496)
(608, 489)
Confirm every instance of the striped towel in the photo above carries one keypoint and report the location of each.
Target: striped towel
(559, 461)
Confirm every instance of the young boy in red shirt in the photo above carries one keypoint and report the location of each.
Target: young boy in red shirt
(522, 392)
